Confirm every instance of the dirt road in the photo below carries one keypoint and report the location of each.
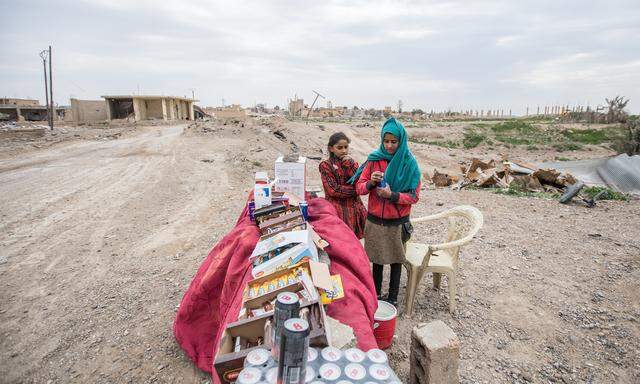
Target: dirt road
(94, 239)
(99, 239)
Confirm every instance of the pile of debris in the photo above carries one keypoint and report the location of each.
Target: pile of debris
(506, 174)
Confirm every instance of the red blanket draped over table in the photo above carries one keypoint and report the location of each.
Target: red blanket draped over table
(214, 297)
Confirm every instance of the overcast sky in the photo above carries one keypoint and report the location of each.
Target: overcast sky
(429, 54)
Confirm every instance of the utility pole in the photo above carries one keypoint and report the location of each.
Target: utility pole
(312, 104)
(43, 55)
(53, 111)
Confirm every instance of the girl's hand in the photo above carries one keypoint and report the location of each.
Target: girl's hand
(385, 192)
(346, 158)
(376, 177)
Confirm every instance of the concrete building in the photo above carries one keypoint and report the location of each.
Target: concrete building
(296, 107)
(84, 111)
(19, 102)
(234, 111)
(149, 107)
(27, 109)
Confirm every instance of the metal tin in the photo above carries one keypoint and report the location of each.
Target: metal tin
(259, 358)
(312, 355)
(304, 209)
(309, 375)
(287, 307)
(380, 372)
(354, 355)
(355, 371)
(330, 372)
(331, 354)
(272, 375)
(249, 375)
(377, 356)
(294, 344)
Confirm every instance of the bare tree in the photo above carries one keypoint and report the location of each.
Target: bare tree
(616, 113)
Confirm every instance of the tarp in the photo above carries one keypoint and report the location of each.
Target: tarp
(622, 172)
(214, 297)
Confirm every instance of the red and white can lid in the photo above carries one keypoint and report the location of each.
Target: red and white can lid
(312, 355)
(249, 375)
(272, 375)
(296, 325)
(287, 297)
(377, 356)
(310, 374)
(355, 371)
(380, 372)
(331, 354)
(354, 355)
(329, 371)
(258, 356)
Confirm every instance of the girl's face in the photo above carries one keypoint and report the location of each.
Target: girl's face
(390, 143)
(340, 149)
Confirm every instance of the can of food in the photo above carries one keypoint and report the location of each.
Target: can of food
(354, 355)
(294, 344)
(331, 354)
(287, 307)
(304, 209)
(312, 356)
(249, 375)
(380, 372)
(377, 356)
(272, 375)
(310, 374)
(258, 358)
(329, 372)
(355, 372)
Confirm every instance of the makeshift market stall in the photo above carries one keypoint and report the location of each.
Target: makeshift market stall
(279, 244)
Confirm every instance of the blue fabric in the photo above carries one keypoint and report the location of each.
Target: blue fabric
(403, 172)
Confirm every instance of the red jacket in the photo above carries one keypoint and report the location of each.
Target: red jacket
(398, 206)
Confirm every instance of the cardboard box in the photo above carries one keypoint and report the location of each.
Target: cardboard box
(303, 246)
(320, 278)
(291, 176)
(228, 363)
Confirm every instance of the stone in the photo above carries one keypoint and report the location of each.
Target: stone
(435, 354)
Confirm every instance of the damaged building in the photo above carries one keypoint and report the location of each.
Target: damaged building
(141, 107)
(26, 110)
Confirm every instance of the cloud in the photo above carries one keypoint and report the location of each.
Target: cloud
(430, 54)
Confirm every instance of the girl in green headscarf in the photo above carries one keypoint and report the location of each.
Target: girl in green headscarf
(391, 178)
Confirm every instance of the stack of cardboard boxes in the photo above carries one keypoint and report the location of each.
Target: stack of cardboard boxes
(287, 258)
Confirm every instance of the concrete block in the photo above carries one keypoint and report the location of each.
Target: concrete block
(435, 352)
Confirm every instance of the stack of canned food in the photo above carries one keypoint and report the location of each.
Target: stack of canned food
(328, 365)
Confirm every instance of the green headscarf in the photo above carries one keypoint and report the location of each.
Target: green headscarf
(403, 173)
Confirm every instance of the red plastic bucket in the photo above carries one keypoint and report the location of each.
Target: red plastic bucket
(384, 325)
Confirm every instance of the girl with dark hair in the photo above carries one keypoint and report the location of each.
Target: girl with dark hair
(335, 172)
(391, 178)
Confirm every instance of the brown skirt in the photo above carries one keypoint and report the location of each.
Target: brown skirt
(384, 244)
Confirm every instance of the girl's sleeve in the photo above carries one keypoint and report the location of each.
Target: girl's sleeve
(331, 186)
(364, 185)
(406, 198)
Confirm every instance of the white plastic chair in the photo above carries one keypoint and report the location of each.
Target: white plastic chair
(440, 258)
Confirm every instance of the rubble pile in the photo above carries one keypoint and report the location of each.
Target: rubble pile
(505, 174)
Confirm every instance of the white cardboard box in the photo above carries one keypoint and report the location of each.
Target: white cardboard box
(291, 176)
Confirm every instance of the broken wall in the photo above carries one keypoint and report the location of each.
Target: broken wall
(84, 111)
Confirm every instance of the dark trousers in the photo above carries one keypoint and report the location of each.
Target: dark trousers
(394, 281)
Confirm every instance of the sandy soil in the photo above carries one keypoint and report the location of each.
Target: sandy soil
(100, 238)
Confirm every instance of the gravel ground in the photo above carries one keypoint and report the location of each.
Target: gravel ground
(101, 235)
